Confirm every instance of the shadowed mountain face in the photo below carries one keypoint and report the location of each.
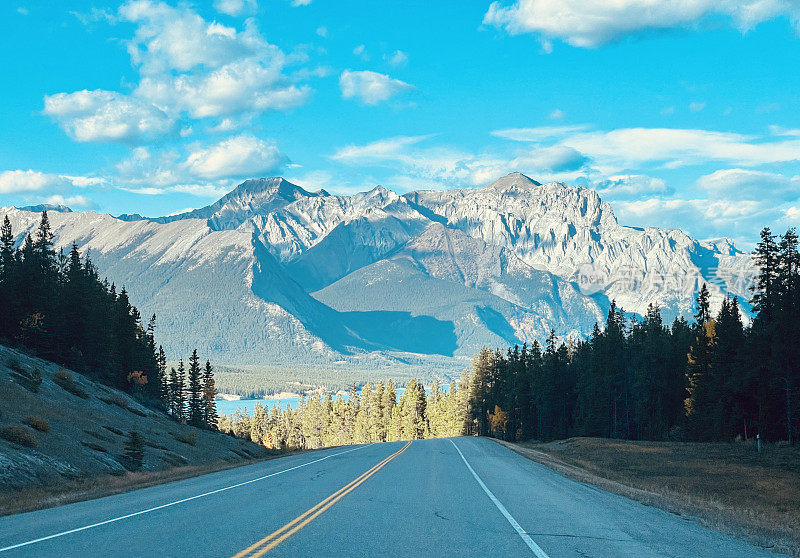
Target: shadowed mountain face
(274, 274)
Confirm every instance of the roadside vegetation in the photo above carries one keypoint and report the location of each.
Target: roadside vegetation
(56, 307)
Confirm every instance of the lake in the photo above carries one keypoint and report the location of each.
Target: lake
(229, 407)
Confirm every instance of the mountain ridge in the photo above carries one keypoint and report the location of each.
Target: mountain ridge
(294, 276)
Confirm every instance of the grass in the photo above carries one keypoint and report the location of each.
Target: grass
(77, 490)
(67, 382)
(190, 438)
(729, 487)
(37, 423)
(18, 434)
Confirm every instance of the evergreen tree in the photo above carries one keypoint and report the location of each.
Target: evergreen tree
(194, 394)
(133, 456)
(209, 397)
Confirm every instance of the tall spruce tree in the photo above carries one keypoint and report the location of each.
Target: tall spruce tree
(195, 397)
(209, 397)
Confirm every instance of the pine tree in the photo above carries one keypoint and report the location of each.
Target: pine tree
(195, 391)
(178, 389)
(209, 397)
(133, 456)
(703, 313)
(766, 259)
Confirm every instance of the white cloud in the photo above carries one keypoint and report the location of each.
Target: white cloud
(322, 31)
(441, 167)
(235, 157)
(70, 201)
(361, 52)
(146, 168)
(631, 147)
(630, 186)
(297, 3)
(205, 68)
(236, 7)
(398, 58)
(17, 181)
(557, 114)
(371, 88)
(538, 134)
(14, 181)
(696, 106)
(108, 116)
(381, 150)
(740, 220)
(592, 23)
(792, 216)
(556, 158)
(744, 184)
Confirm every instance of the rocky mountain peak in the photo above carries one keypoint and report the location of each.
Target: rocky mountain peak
(513, 181)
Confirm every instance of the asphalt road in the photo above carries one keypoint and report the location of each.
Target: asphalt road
(459, 497)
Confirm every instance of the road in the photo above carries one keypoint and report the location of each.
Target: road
(445, 497)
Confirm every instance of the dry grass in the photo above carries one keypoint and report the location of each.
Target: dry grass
(67, 382)
(37, 423)
(729, 487)
(77, 490)
(190, 438)
(18, 434)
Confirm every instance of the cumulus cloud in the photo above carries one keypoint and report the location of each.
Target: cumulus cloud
(18, 181)
(592, 23)
(188, 66)
(236, 7)
(744, 184)
(205, 68)
(107, 116)
(371, 88)
(235, 157)
(14, 181)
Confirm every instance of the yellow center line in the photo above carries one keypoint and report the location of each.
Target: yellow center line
(275, 538)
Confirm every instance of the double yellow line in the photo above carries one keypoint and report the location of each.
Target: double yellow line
(275, 538)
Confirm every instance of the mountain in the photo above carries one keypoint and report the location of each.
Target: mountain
(274, 274)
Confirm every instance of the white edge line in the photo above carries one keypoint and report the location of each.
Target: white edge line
(520, 531)
(176, 502)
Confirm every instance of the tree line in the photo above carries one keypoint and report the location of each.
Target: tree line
(371, 414)
(56, 306)
(712, 379)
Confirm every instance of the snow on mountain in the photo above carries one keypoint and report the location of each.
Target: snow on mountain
(272, 273)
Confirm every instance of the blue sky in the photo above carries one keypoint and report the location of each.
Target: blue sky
(680, 116)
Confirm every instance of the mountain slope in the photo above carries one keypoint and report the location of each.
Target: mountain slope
(79, 433)
(274, 274)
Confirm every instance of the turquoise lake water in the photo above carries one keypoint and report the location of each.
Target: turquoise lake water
(230, 407)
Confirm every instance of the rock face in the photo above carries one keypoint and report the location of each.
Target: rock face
(274, 274)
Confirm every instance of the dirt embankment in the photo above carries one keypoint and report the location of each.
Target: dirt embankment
(62, 438)
(729, 487)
